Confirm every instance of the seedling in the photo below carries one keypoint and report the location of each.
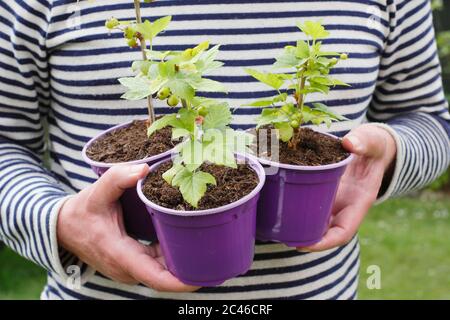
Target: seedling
(202, 123)
(309, 72)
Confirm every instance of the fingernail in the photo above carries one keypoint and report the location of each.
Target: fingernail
(303, 250)
(356, 143)
(137, 169)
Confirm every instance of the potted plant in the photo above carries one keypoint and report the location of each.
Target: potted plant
(169, 76)
(296, 202)
(203, 202)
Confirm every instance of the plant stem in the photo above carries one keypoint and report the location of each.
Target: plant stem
(151, 111)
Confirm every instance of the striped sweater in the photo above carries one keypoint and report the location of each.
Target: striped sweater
(58, 64)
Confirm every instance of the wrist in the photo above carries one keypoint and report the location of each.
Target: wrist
(63, 222)
(390, 147)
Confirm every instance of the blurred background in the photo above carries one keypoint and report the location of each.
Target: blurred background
(407, 238)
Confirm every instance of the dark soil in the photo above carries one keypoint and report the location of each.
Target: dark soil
(232, 185)
(130, 144)
(313, 149)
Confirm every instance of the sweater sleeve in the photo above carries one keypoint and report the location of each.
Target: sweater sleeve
(409, 100)
(30, 196)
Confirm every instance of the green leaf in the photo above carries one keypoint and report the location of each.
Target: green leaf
(179, 133)
(159, 55)
(186, 119)
(271, 79)
(313, 29)
(206, 60)
(208, 85)
(327, 111)
(141, 66)
(193, 185)
(269, 101)
(302, 51)
(192, 154)
(160, 25)
(172, 172)
(288, 59)
(181, 89)
(217, 149)
(165, 121)
(138, 88)
(337, 82)
(141, 87)
(322, 80)
(150, 30)
(200, 48)
(271, 116)
(285, 131)
(218, 117)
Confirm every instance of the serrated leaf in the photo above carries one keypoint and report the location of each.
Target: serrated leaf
(134, 95)
(160, 25)
(186, 119)
(179, 133)
(288, 59)
(322, 80)
(327, 111)
(181, 89)
(302, 51)
(141, 87)
(206, 61)
(337, 82)
(269, 101)
(172, 172)
(141, 66)
(192, 154)
(193, 185)
(218, 117)
(150, 30)
(165, 121)
(200, 48)
(285, 131)
(313, 29)
(159, 55)
(208, 85)
(271, 116)
(217, 149)
(270, 79)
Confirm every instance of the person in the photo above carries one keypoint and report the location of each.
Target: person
(59, 64)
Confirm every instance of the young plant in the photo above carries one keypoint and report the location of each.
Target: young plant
(207, 139)
(138, 33)
(309, 71)
(202, 123)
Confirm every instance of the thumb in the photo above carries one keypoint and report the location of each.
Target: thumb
(366, 140)
(113, 183)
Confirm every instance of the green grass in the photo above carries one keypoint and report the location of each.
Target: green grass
(407, 238)
(19, 278)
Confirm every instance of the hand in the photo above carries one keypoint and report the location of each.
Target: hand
(375, 152)
(90, 225)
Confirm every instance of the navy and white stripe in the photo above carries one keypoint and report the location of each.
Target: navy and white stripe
(59, 63)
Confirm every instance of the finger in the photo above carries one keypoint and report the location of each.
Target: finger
(147, 270)
(113, 183)
(343, 228)
(366, 140)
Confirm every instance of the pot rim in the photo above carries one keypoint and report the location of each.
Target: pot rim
(331, 166)
(256, 166)
(109, 165)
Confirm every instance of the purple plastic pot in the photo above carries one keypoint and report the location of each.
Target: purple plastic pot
(137, 222)
(296, 203)
(207, 247)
